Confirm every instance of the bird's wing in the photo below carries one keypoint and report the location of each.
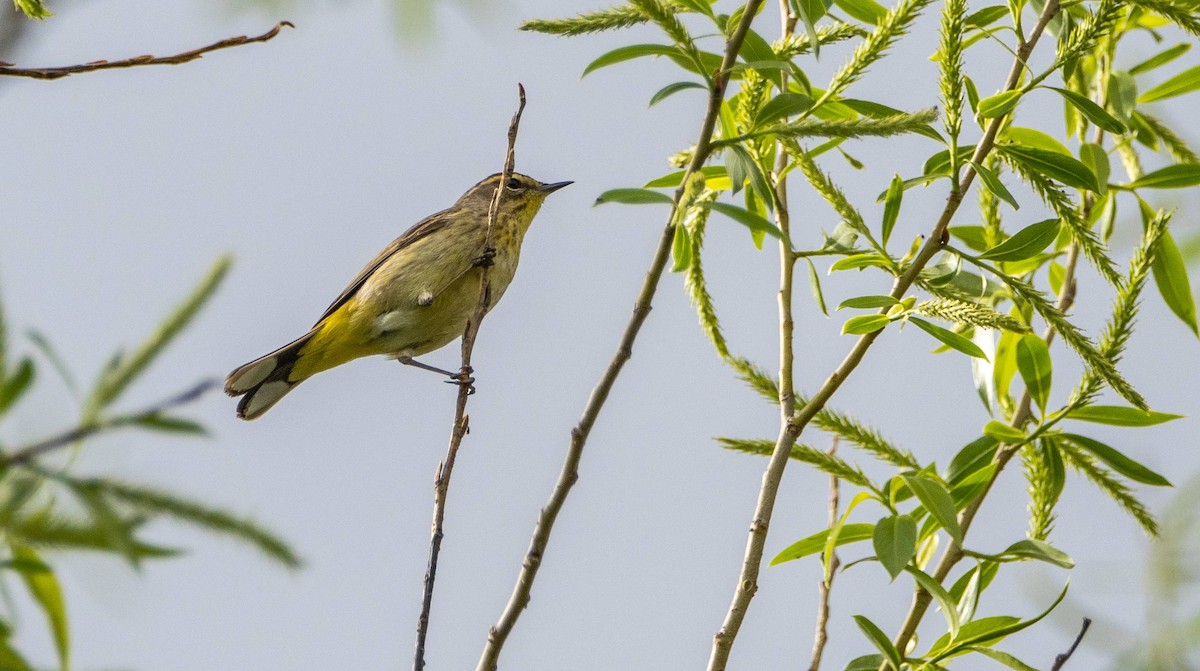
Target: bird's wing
(426, 227)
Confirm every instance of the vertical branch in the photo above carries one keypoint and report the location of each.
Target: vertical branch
(498, 634)
(461, 426)
(822, 635)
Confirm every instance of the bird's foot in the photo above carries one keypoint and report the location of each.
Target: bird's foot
(486, 259)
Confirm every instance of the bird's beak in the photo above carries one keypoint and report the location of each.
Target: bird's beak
(551, 188)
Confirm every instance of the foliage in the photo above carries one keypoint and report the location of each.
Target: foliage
(47, 508)
(988, 285)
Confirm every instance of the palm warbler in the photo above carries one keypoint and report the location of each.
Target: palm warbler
(413, 298)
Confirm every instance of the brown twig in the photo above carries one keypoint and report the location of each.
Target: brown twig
(461, 426)
(822, 635)
(9, 70)
(1060, 660)
(30, 452)
(569, 474)
(747, 583)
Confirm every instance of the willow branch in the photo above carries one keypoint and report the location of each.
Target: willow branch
(30, 452)
(10, 70)
(1060, 660)
(498, 634)
(461, 425)
(747, 583)
(822, 635)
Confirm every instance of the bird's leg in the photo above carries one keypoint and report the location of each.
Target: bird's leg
(486, 259)
(460, 378)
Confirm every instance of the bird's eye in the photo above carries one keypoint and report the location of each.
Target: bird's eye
(515, 184)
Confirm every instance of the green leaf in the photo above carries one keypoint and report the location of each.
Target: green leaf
(746, 218)
(1171, 277)
(990, 630)
(992, 182)
(810, 11)
(1025, 243)
(781, 106)
(1122, 94)
(1039, 550)
(868, 302)
(999, 104)
(674, 179)
(811, 545)
(671, 89)
(949, 338)
(1003, 432)
(867, 11)
(814, 285)
(1116, 415)
(634, 197)
(622, 54)
(986, 16)
(1161, 58)
(681, 249)
(1054, 165)
(936, 499)
(880, 640)
(16, 385)
(1118, 461)
(1096, 159)
(974, 456)
(1002, 657)
(1093, 112)
(1184, 82)
(864, 324)
(859, 261)
(895, 543)
(891, 206)
(939, 593)
(1178, 176)
(1033, 362)
(44, 587)
(1036, 139)
(169, 424)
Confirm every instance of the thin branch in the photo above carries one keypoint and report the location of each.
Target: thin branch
(1060, 660)
(747, 583)
(28, 453)
(461, 426)
(9, 70)
(822, 635)
(569, 474)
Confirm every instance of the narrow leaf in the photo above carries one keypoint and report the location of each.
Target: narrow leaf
(634, 197)
(949, 338)
(1178, 176)
(933, 495)
(1171, 277)
(1054, 165)
(671, 89)
(1025, 243)
(868, 302)
(880, 640)
(864, 324)
(1184, 82)
(811, 545)
(44, 587)
(1091, 110)
(1118, 461)
(1033, 362)
(895, 543)
(1116, 415)
(993, 184)
(891, 207)
(814, 284)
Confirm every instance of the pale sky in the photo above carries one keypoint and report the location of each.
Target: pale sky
(305, 156)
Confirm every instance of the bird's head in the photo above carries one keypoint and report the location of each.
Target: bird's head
(520, 201)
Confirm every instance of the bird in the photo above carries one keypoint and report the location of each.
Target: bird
(414, 297)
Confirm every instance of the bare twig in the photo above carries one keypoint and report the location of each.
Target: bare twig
(30, 452)
(9, 70)
(822, 635)
(1060, 660)
(461, 426)
(747, 583)
(569, 474)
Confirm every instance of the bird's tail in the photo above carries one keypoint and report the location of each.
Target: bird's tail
(262, 382)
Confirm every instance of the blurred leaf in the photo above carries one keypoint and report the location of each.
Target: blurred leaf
(16, 385)
(674, 179)
(1093, 112)
(1025, 243)
(1002, 657)
(1118, 461)
(895, 543)
(1033, 362)
(986, 16)
(868, 302)
(43, 585)
(1116, 415)
(1161, 58)
(1178, 176)
(811, 545)
(864, 324)
(169, 424)
(936, 499)
(1036, 139)
(33, 9)
(781, 106)
(634, 197)
(1004, 433)
(1122, 94)
(867, 11)
(949, 338)
(880, 640)
(1039, 550)
(1171, 278)
(671, 89)
(1184, 82)
(1096, 159)
(115, 380)
(43, 345)
(1054, 165)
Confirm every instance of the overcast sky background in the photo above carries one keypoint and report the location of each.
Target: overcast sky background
(304, 157)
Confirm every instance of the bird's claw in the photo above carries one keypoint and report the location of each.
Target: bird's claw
(464, 379)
